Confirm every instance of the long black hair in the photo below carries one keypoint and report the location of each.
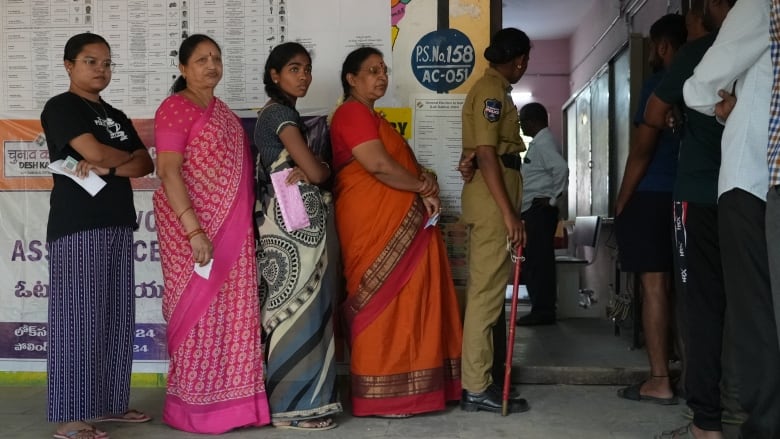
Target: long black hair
(185, 53)
(277, 59)
(352, 65)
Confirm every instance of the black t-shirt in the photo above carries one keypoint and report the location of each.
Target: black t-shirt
(699, 161)
(72, 209)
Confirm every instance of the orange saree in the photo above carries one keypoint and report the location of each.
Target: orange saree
(404, 325)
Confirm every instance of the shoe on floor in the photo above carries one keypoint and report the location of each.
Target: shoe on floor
(514, 391)
(632, 393)
(535, 320)
(490, 400)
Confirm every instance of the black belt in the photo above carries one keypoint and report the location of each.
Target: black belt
(509, 159)
(512, 161)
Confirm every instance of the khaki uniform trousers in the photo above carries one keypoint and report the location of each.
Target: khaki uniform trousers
(489, 268)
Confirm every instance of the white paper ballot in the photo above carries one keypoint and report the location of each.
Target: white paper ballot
(92, 183)
(432, 221)
(204, 271)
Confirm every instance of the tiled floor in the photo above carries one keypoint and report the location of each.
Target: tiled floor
(573, 352)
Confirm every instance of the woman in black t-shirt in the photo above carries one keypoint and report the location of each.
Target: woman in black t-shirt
(91, 302)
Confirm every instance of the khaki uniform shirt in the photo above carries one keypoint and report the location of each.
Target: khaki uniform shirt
(490, 118)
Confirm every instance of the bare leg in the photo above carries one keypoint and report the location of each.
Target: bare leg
(656, 316)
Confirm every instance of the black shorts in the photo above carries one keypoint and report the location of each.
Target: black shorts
(644, 233)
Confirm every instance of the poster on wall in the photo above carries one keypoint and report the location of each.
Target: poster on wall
(330, 33)
(145, 37)
(416, 30)
(437, 144)
(25, 185)
(432, 65)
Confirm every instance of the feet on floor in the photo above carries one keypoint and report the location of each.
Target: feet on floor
(490, 400)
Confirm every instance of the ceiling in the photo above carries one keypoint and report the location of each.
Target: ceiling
(545, 19)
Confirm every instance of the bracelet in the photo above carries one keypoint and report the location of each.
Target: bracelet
(111, 172)
(195, 233)
(183, 212)
(430, 171)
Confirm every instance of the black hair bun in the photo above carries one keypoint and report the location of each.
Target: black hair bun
(494, 55)
(507, 44)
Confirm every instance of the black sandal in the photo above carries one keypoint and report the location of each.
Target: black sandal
(632, 393)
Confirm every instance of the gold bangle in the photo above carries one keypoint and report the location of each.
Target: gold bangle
(183, 212)
(195, 233)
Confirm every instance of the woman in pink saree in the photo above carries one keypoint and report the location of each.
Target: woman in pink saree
(204, 220)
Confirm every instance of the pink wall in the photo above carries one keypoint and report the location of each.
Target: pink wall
(547, 78)
(604, 32)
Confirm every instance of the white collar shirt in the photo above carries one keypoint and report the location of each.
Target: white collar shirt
(740, 53)
(545, 172)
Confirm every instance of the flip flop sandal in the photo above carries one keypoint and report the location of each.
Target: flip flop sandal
(684, 432)
(632, 393)
(131, 416)
(84, 433)
(313, 424)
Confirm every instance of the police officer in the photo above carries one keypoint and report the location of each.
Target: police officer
(490, 202)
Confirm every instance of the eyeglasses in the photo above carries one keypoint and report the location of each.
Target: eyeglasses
(376, 70)
(93, 63)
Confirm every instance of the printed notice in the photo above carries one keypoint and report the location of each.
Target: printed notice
(437, 144)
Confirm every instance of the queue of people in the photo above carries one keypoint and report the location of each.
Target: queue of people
(250, 302)
(720, 93)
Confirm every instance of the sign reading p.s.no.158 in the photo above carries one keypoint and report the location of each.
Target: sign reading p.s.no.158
(443, 59)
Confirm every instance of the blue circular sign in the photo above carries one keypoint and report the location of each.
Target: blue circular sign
(443, 59)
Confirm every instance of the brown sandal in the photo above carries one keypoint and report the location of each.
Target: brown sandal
(307, 424)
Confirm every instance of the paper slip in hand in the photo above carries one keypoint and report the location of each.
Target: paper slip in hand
(204, 271)
(433, 220)
(290, 201)
(91, 183)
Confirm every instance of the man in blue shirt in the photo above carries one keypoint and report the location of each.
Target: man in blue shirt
(643, 210)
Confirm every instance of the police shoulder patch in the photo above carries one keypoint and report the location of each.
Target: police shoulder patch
(492, 110)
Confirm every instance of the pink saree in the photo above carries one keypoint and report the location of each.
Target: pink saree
(215, 379)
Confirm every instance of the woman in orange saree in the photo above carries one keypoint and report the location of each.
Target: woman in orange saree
(204, 216)
(402, 311)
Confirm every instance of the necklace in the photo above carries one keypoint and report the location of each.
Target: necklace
(107, 122)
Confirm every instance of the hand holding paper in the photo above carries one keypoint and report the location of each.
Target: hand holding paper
(204, 271)
(433, 220)
(290, 201)
(91, 183)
